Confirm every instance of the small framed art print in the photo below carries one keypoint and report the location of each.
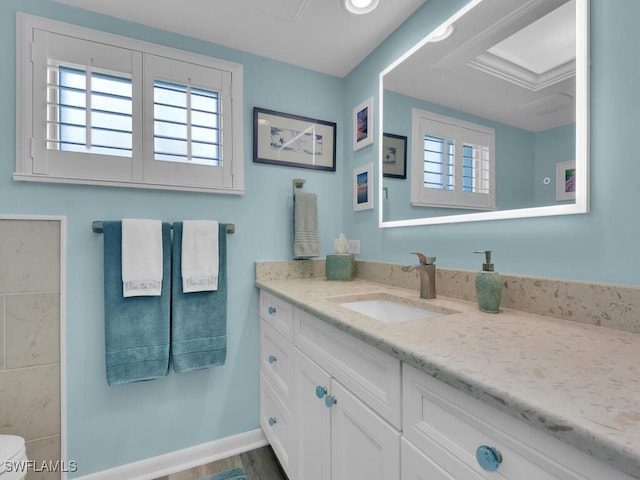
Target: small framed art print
(363, 124)
(363, 187)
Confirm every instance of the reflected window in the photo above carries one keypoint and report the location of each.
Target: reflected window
(454, 160)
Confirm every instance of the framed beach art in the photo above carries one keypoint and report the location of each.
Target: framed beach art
(363, 124)
(394, 156)
(566, 180)
(363, 187)
(292, 140)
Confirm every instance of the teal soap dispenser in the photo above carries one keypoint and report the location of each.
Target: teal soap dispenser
(488, 286)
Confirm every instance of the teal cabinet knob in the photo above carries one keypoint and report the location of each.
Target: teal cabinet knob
(321, 391)
(330, 401)
(272, 310)
(272, 421)
(489, 458)
(273, 359)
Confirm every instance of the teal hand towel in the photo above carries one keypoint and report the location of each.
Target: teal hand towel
(306, 242)
(136, 328)
(198, 319)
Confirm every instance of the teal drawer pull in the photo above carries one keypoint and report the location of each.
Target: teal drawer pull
(272, 310)
(272, 421)
(321, 391)
(489, 458)
(330, 401)
(273, 359)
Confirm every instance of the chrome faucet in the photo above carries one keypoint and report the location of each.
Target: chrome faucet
(427, 272)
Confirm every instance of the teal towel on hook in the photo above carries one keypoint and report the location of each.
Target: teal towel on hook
(198, 319)
(136, 328)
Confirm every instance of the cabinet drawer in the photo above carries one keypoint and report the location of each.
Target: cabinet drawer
(417, 466)
(372, 375)
(278, 313)
(277, 425)
(446, 423)
(276, 361)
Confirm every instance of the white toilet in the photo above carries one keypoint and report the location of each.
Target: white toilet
(13, 458)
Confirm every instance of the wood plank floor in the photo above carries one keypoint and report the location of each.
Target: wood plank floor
(259, 464)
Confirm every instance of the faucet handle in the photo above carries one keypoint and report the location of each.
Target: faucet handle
(425, 260)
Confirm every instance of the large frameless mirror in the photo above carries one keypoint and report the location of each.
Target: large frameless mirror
(487, 117)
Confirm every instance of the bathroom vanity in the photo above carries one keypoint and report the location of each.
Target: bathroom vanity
(344, 395)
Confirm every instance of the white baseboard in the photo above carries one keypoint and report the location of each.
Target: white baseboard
(183, 459)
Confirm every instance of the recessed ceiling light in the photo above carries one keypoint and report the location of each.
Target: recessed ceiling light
(441, 33)
(360, 7)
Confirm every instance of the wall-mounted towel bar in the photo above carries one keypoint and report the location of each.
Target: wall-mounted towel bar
(99, 228)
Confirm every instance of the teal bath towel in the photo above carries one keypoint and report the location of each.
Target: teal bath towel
(136, 328)
(198, 319)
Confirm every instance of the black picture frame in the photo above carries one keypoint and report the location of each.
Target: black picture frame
(394, 156)
(293, 140)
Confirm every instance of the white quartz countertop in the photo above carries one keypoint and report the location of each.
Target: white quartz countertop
(578, 382)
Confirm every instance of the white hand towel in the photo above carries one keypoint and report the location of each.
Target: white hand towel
(199, 256)
(141, 257)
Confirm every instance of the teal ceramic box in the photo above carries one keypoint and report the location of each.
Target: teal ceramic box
(340, 266)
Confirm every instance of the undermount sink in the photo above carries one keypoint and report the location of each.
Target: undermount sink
(389, 309)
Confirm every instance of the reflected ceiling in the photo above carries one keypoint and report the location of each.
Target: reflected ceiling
(518, 70)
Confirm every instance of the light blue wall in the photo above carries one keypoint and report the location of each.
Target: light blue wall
(110, 426)
(600, 246)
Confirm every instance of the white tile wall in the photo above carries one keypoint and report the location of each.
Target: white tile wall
(30, 337)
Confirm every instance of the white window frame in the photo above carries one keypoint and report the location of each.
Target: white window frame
(137, 169)
(460, 132)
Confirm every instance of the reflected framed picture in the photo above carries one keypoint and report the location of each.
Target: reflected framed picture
(566, 180)
(363, 124)
(363, 187)
(295, 141)
(394, 156)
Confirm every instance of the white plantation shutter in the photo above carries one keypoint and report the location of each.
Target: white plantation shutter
(96, 108)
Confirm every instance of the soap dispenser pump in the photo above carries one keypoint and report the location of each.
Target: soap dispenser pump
(488, 286)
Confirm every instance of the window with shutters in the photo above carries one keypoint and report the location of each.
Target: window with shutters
(452, 162)
(96, 108)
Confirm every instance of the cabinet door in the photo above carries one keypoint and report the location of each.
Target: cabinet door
(363, 445)
(312, 420)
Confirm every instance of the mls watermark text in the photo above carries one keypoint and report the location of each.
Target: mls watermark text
(43, 466)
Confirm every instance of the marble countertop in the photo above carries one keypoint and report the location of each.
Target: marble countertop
(578, 382)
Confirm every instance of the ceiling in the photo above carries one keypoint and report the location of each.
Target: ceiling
(512, 61)
(315, 34)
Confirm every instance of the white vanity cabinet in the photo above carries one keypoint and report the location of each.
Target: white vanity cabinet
(329, 403)
(336, 408)
(443, 427)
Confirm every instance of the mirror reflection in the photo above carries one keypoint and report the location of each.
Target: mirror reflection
(488, 109)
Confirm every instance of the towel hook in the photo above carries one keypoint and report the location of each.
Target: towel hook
(297, 183)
